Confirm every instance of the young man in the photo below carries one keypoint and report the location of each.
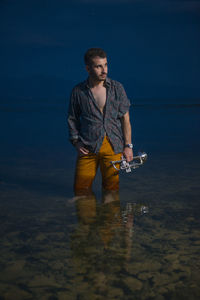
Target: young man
(99, 125)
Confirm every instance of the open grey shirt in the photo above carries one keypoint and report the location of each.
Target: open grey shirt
(87, 123)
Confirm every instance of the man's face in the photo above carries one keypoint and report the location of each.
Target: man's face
(98, 70)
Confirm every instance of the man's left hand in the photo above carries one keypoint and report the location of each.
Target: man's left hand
(128, 153)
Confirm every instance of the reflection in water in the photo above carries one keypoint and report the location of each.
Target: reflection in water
(114, 251)
(53, 249)
(101, 243)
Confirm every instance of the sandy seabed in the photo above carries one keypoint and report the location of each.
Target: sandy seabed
(145, 245)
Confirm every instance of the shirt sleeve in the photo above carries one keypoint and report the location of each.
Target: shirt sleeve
(124, 101)
(73, 117)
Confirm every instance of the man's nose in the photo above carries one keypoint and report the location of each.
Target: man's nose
(104, 69)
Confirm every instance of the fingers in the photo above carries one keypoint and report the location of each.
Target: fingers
(83, 150)
(80, 149)
(128, 153)
(129, 158)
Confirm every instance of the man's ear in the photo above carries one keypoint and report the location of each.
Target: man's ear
(87, 68)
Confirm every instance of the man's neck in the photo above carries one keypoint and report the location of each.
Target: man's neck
(96, 83)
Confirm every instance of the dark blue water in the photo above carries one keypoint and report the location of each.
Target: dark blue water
(141, 244)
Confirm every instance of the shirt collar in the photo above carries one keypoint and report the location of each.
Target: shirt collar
(107, 82)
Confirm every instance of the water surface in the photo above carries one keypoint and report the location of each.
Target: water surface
(142, 243)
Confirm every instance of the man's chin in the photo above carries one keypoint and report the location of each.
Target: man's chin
(102, 78)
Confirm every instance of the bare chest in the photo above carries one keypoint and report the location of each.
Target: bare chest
(99, 95)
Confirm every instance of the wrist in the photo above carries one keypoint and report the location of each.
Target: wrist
(75, 142)
(128, 146)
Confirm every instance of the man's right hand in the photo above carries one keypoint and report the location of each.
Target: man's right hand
(80, 149)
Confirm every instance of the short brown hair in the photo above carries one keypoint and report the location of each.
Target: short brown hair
(93, 52)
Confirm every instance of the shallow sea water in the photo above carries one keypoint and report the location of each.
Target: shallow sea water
(142, 243)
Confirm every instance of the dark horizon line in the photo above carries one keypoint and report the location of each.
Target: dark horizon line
(30, 98)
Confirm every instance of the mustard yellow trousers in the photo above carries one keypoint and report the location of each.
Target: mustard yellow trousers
(87, 165)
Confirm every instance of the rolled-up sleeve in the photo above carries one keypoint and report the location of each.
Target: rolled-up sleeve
(124, 104)
(73, 117)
